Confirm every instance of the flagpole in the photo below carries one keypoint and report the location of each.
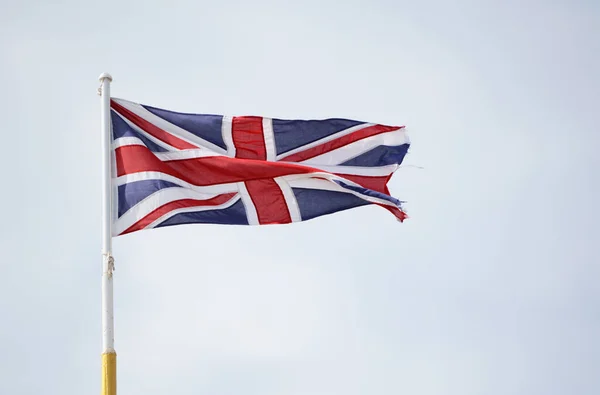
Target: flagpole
(109, 356)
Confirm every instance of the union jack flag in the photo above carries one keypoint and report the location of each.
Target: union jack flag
(172, 168)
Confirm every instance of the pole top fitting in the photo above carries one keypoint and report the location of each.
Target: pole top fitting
(105, 76)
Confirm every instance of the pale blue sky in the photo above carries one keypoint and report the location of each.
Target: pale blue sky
(490, 288)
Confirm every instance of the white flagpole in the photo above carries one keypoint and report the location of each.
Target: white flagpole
(109, 356)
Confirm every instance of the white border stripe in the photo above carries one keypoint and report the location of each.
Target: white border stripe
(172, 213)
(267, 124)
(248, 204)
(143, 133)
(352, 150)
(326, 139)
(290, 199)
(226, 132)
(168, 127)
(154, 201)
(153, 175)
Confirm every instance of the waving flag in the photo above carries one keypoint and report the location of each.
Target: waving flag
(173, 168)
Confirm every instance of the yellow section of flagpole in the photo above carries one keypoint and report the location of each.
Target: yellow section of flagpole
(109, 373)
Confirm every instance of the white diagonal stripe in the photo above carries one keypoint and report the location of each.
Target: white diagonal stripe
(153, 202)
(172, 213)
(321, 184)
(147, 135)
(352, 150)
(167, 126)
(326, 139)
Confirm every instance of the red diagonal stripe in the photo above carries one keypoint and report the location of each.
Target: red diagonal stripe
(339, 142)
(248, 138)
(150, 128)
(271, 207)
(183, 203)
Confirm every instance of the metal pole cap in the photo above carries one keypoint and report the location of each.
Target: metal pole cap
(105, 76)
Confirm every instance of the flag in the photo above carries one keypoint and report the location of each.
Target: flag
(173, 168)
